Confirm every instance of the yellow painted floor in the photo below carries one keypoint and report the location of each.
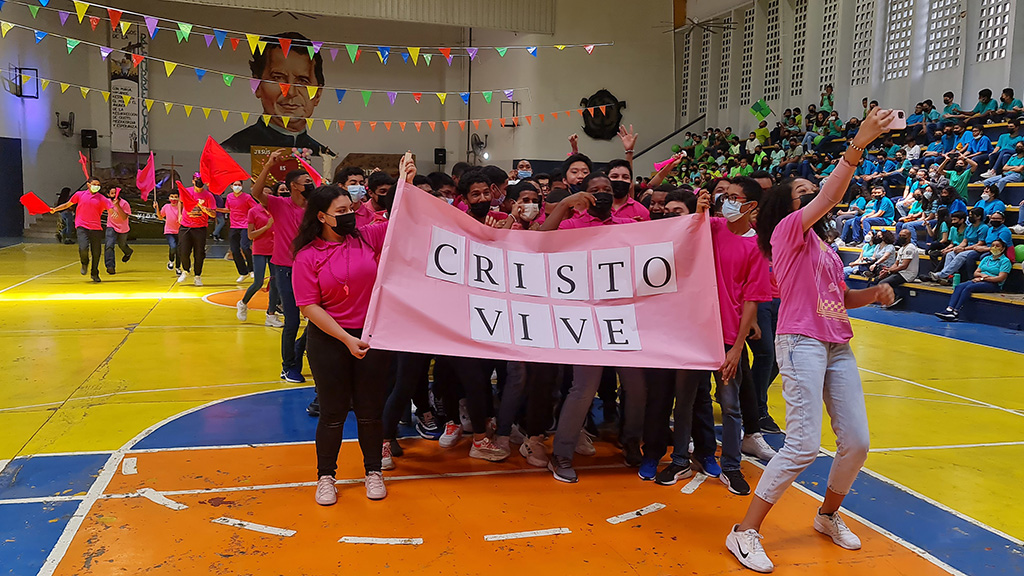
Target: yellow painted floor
(87, 367)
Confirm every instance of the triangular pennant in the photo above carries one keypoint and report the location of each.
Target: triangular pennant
(352, 49)
(39, 36)
(252, 39)
(416, 96)
(312, 90)
(445, 124)
(392, 96)
(487, 96)
(25, 79)
(254, 83)
(387, 126)
(309, 124)
(334, 53)
(286, 45)
(405, 57)
(580, 110)
(169, 67)
(602, 107)
(502, 122)
(151, 25)
(200, 73)
(137, 59)
(286, 120)
(490, 123)
(554, 115)
(34, 10)
(532, 50)
(317, 45)
(373, 125)
(64, 87)
(115, 17)
(340, 94)
(94, 21)
(418, 125)
(357, 124)
(560, 46)
(149, 104)
(501, 51)
(415, 53)
(125, 25)
(245, 117)
(366, 97)
(442, 96)
(508, 94)
(126, 99)
(5, 27)
(285, 87)
(515, 120)
(63, 16)
(589, 48)
(472, 53)
(465, 97)
(462, 124)
(261, 46)
(383, 52)
(541, 116)
(206, 113)
(427, 57)
(311, 51)
(265, 118)
(220, 36)
(447, 53)
(209, 39)
(432, 125)
(71, 44)
(224, 115)
(228, 79)
(402, 125)
(80, 8)
(44, 85)
(167, 107)
(85, 92)
(341, 125)
(327, 125)
(529, 120)
(476, 124)
(188, 110)
(104, 52)
(234, 43)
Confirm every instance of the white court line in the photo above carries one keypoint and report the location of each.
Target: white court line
(228, 446)
(941, 391)
(385, 541)
(284, 532)
(970, 404)
(530, 534)
(692, 485)
(158, 498)
(47, 454)
(37, 276)
(635, 513)
(129, 466)
(43, 499)
(946, 447)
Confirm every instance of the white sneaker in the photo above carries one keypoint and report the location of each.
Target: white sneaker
(584, 445)
(326, 492)
(452, 435)
(375, 488)
(241, 279)
(502, 442)
(387, 462)
(988, 174)
(834, 527)
(467, 424)
(273, 321)
(533, 450)
(241, 311)
(746, 547)
(484, 449)
(182, 276)
(754, 445)
(170, 265)
(250, 275)
(517, 436)
(198, 281)
(1018, 229)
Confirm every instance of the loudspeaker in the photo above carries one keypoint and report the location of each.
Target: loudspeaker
(440, 156)
(90, 139)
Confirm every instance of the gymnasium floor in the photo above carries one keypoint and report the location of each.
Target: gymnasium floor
(145, 430)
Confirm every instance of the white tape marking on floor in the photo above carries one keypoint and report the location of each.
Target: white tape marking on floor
(946, 447)
(692, 485)
(385, 541)
(158, 498)
(130, 466)
(284, 532)
(941, 391)
(23, 282)
(636, 513)
(530, 534)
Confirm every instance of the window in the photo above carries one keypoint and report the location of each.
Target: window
(747, 62)
(705, 65)
(772, 53)
(829, 33)
(863, 31)
(723, 83)
(992, 29)
(684, 104)
(799, 45)
(899, 23)
(943, 49)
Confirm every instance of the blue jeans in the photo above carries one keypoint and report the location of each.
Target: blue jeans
(221, 221)
(67, 230)
(955, 262)
(172, 249)
(867, 223)
(997, 159)
(763, 368)
(241, 250)
(292, 345)
(915, 227)
(962, 292)
(728, 397)
(852, 230)
(115, 238)
(815, 372)
(1004, 179)
(259, 270)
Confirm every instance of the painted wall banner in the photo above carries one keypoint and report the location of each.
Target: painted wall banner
(129, 123)
(641, 294)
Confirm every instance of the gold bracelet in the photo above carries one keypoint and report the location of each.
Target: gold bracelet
(857, 148)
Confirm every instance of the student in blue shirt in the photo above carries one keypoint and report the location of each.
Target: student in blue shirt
(1013, 171)
(969, 250)
(865, 172)
(979, 147)
(989, 277)
(915, 121)
(931, 155)
(949, 198)
(880, 211)
(1009, 107)
(951, 111)
(891, 174)
(1005, 147)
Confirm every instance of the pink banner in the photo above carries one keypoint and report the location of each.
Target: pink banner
(641, 294)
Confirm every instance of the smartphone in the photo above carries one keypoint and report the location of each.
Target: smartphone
(899, 122)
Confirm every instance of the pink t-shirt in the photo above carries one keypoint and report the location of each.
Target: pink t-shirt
(170, 214)
(632, 210)
(287, 217)
(366, 216)
(120, 225)
(811, 283)
(586, 220)
(238, 208)
(197, 218)
(742, 274)
(258, 217)
(90, 209)
(340, 276)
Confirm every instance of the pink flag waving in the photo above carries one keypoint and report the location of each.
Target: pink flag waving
(640, 294)
(317, 178)
(218, 169)
(188, 199)
(85, 165)
(145, 180)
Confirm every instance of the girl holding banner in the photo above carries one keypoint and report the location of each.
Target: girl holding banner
(812, 344)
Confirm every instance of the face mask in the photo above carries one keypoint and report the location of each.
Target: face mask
(659, 215)
(603, 202)
(236, 188)
(345, 224)
(307, 190)
(357, 192)
(668, 215)
(995, 223)
(805, 199)
(876, 240)
(986, 196)
(524, 174)
(620, 189)
(732, 210)
(480, 209)
(94, 189)
(996, 252)
(928, 195)
(1020, 150)
(574, 188)
(450, 200)
(901, 241)
(530, 212)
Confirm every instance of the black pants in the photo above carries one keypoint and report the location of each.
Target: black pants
(474, 375)
(411, 382)
(664, 386)
(343, 381)
(192, 243)
(893, 280)
(90, 242)
(532, 384)
(446, 390)
(241, 250)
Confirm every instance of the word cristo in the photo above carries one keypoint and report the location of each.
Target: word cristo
(623, 273)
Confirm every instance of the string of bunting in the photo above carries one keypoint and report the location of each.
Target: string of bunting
(184, 31)
(254, 83)
(328, 123)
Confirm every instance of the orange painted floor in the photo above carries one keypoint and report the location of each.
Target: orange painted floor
(451, 502)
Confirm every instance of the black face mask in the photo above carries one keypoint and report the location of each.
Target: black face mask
(670, 214)
(620, 189)
(805, 199)
(603, 202)
(386, 201)
(574, 188)
(307, 190)
(198, 183)
(660, 215)
(345, 224)
(901, 241)
(480, 209)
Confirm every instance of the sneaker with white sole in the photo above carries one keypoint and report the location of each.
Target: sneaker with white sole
(198, 282)
(387, 461)
(754, 445)
(182, 276)
(1018, 229)
(834, 527)
(273, 321)
(451, 436)
(426, 426)
(485, 449)
(503, 443)
(533, 450)
(561, 468)
(170, 265)
(241, 279)
(746, 547)
(584, 445)
(987, 174)
(735, 482)
(517, 436)
(375, 488)
(326, 492)
(241, 311)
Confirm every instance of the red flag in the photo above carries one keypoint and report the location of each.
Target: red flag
(187, 197)
(85, 165)
(218, 169)
(146, 178)
(317, 178)
(34, 204)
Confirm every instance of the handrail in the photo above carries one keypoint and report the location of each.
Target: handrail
(660, 142)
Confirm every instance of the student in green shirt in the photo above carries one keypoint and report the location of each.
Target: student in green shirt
(960, 176)
(827, 102)
(762, 132)
(983, 111)
(951, 112)
(1009, 107)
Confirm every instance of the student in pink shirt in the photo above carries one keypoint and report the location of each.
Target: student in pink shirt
(620, 172)
(813, 350)
(117, 231)
(91, 205)
(194, 229)
(594, 206)
(237, 205)
(169, 216)
(287, 212)
(527, 211)
(333, 274)
(261, 231)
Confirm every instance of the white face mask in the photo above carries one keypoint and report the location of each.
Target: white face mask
(928, 195)
(530, 212)
(94, 189)
(986, 196)
(236, 188)
(732, 210)
(356, 192)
